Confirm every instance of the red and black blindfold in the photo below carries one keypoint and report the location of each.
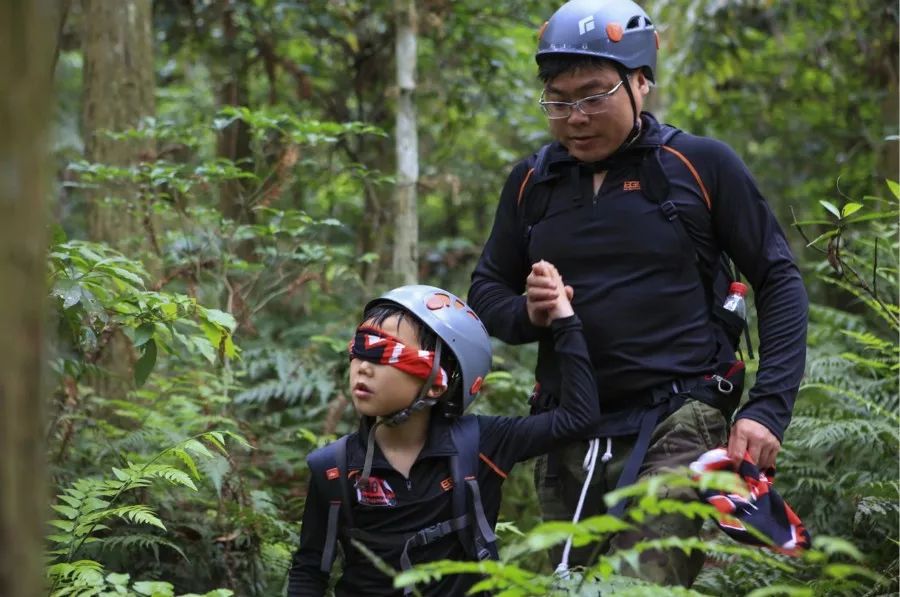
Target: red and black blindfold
(377, 346)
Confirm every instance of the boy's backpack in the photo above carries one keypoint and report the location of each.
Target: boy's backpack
(328, 466)
(534, 198)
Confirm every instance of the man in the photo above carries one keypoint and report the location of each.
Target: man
(635, 219)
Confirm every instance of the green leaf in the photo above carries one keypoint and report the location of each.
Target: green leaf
(217, 439)
(830, 207)
(188, 461)
(216, 469)
(68, 512)
(143, 333)
(205, 348)
(221, 318)
(196, 447)
(145, 364)
(850, 209)
(848, 570)
(63, 525)
(822, 236)
(154, 588)
(127, 275)
(117, 579)
(72, 296)
(894, 187)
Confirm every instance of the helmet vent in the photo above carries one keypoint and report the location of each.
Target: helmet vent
(634, 22)
(648, 22)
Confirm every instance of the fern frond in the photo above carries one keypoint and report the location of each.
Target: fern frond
(139, 542)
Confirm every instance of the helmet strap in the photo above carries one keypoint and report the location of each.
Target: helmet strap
(420, 402)
(636, 118)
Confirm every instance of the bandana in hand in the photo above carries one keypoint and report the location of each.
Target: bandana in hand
(763, 509)
(377, 346)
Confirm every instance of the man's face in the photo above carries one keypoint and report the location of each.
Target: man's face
(591, 138)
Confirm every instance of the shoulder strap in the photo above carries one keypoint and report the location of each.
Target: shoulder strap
(465, 434)
(656, 184)
(328, 467)
(536, 171)
(534, 194)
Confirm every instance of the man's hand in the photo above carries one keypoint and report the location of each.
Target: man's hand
(542, 288)
(562, 306)
(750, 436)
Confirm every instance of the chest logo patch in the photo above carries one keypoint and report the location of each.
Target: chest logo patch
(377, 492)
(632, 185)
(447, 484)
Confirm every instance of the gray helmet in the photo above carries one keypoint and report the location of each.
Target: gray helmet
(617, 30)
(459, 329)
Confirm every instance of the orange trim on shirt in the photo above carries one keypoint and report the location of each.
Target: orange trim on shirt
(690, 167)
(522, 186)
(492, 466)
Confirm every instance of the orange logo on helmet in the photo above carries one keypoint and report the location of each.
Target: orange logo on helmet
(542, 29)
(476, 385)
(656, 35)
(614, 32)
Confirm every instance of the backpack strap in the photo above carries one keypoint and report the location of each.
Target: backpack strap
(328, 466)
(534, 196)
(538, 170)
(655, 182)
(479, 535)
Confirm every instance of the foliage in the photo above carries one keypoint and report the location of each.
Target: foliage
(265, 225)
(101, 293)
(800, 89)
(89, 507)
(834, 562)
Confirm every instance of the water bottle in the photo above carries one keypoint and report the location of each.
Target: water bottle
(735, 302)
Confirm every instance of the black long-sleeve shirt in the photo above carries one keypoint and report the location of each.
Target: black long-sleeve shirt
(422, 499)
(637, 288)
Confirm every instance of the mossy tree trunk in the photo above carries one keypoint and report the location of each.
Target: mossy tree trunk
(119, 87)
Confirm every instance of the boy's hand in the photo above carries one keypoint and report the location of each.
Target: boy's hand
(547, 298)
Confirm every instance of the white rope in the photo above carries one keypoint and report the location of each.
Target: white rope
(588, 465)
(607, 456)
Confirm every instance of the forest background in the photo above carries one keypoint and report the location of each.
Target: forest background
(224, 190)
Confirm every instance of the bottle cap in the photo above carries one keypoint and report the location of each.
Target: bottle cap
(738, 288)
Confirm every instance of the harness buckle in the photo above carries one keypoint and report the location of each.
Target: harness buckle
(670, 211)
(432, 533)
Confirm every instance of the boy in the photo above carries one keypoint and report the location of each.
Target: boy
(420, 481)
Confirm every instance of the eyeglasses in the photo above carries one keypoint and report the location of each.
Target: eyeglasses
(590, 105)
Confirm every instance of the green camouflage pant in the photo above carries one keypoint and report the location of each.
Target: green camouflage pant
(677, 441)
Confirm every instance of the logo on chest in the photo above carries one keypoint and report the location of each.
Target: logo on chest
(632, 185)
(377, 492)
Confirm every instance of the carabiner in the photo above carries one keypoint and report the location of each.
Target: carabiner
(724, 385)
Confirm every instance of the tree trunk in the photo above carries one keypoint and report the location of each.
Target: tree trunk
(118, 94)
(234, 140)
(119, 91)
(26, 57)
(406, 231)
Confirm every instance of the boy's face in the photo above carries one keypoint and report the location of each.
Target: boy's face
(595, 137)
(379, 390)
